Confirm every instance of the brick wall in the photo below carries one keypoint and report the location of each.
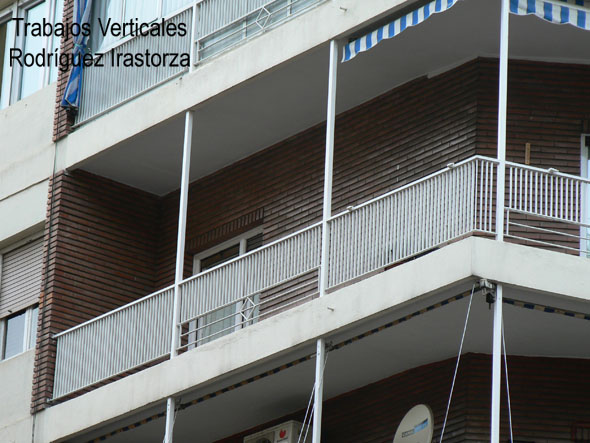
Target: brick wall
(547, 108)
(548, 396)
(62, 120)
(385, 143)
(380, 145)
(100, 254)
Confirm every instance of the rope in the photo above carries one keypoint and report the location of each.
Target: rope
(285, 366)
(457, 365)
(307, 411)
(507, 385)
(313, 410)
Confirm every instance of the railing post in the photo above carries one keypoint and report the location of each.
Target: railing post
(500, 184)
(327, 213)
(179, 274)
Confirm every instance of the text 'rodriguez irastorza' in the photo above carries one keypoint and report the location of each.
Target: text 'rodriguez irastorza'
(130, 28)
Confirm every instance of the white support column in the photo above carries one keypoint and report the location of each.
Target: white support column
(327, 213)
(502, 105)
(318, 396)
(329, 161)
(496, 366)
(500, 184)
(179, 274)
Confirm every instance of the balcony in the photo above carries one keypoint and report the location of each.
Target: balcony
(217, 25)
(543, 207)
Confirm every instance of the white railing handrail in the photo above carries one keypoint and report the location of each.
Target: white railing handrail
(550, 171)
(277, 241)
(248, 254)
(414, 183)
(114, 311)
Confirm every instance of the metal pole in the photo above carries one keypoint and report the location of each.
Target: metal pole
(179, 274)
(496, 366)
(329, 161)
(318, 399)
(502, 101)
(500, 184)
(327, 213)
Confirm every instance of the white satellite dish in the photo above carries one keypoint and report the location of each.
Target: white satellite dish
(417, 426)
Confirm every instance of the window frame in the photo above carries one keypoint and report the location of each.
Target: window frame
(28, 329)
(19, 9)
(122, 40)
(242, 240)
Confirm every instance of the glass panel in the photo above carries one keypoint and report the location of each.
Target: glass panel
(15, 331)
(220, 323)
(55, 41)
(32, 76)
(220, 257)
(173, 5)
(101, 11)
(6, 38)
(33, 336)
(143, 10)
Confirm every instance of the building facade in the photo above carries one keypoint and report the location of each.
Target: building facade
(319, 211)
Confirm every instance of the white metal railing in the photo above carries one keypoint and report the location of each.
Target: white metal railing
(123, 339)
(411, 220)
(406, 222)
(250, 274)
(110, 85)
(221, 25)
(218, 25)
(547, 207)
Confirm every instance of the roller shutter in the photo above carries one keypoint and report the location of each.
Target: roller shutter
(20, 280)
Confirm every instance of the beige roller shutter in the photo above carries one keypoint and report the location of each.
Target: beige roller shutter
(20, 280)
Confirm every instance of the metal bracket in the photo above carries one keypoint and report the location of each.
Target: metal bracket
(488, 289)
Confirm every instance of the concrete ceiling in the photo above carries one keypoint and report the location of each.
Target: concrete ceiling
(428, 338)
(292, 97)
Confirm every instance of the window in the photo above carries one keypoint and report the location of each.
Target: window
(122, 11)
(225, 320)
(18, 332)
(18, 82)
(20, 284)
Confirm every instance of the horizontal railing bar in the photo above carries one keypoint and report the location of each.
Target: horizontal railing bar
(250, 294)
(555, 173)
(248, 254)
(241, 300)
(241, 323)
(551, 231)
(547, 217)
(244, 17)
(553, 245)
(414, 183)
(114, 311)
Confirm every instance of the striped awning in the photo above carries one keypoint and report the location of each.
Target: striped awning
(573, 12)
(394, 28)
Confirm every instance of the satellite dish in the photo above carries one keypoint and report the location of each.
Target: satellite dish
(417, 426)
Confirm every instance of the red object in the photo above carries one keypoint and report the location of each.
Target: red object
(282, 433)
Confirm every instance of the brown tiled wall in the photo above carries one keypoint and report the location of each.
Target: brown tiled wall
(548, 395)
(101, 255)
(380, 145)
(62, 121)
(104, 234)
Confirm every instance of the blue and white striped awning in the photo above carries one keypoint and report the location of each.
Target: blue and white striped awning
(573, 12)
(394, 28)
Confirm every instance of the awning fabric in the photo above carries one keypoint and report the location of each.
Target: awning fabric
(394, 28)
(573, 12)
(71, 98)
